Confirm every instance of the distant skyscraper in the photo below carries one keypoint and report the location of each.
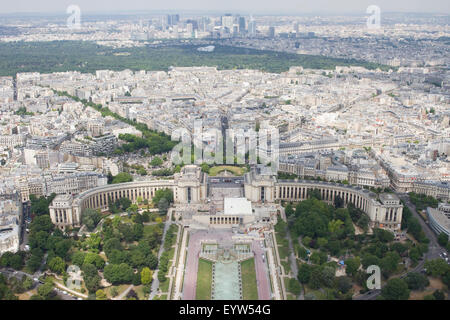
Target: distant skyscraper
(189, 28)
(271, 32)
(193, 22)
(173, 19)
(204, 24)
(176, 18)
(163, 22)
(227, 21)
(242, 24)
(252, 27)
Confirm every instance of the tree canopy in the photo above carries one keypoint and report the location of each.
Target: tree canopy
(395, 289)
(122, 177)
(90, 218)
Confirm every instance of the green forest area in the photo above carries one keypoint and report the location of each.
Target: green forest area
(85, 56)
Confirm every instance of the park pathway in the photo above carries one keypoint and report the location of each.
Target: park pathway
(75, 293)
(124, 293)
(293, 260)
(155, 282)
(180, 267)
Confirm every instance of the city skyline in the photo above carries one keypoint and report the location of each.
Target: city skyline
(259, 7)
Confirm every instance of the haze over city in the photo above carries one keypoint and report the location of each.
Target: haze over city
(252, 6)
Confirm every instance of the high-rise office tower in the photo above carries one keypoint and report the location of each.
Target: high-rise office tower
(176, 18)
(193, 22)
(189, 28)
(252, 27)
(204, 22)
(163, 22)
(242, 25)
(227, 21)
(173, 19)
(271, 32)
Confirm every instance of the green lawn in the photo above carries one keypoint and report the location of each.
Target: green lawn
(286, 265)
(290, 296)
(248, 273)
(318, 294)
(120, 288)
(140, 292)
(204, 280)
(293, 287)
(164, 286)
(283, 246)
(150, 229)
(286, 283)
(237, 171)
(282, 241)
(171, 253)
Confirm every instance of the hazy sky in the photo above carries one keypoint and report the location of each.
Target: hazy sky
(274, 6)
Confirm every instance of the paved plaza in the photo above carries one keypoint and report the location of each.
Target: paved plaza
(193, 253)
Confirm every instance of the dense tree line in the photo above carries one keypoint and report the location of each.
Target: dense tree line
(422, 201)
(163, 199)
(13, 260)
(443, 240)
(5, 291)
(83, 56)
(156, 143)
(156, 162)
(163, 265)
(90, 218)
(163, 172)
(39, 206)
(315, 219)
(120, 205)
(412, 224)
(121, 177)
(44, 238)
(22, 111)
(328, 231)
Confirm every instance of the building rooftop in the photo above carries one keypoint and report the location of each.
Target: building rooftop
(388, 197)
(440, 217)
(237, 206)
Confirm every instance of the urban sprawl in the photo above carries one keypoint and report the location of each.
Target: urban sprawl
(363, 168)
